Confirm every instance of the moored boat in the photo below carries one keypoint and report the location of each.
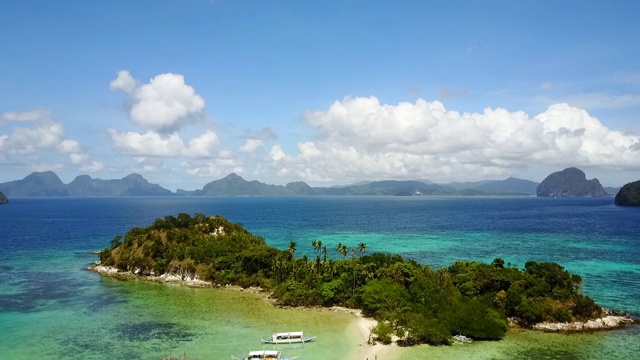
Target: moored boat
(263, 355)
(288, 338)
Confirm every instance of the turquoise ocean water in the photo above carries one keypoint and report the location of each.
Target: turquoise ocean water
(53, 309)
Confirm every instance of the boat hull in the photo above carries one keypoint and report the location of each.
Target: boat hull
(296, 341)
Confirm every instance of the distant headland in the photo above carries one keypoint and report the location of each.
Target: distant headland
(3, 199)
(43, 184)
(629, 195)
(570, 182)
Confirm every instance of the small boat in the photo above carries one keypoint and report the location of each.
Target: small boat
(462, 339)
(263, 355)
(288, 338)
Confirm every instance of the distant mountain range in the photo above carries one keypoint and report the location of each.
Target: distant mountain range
(49, 184)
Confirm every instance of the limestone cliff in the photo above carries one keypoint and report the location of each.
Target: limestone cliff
(570, 182)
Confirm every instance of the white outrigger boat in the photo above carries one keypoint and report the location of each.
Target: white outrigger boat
(263, 355)
(296, 337)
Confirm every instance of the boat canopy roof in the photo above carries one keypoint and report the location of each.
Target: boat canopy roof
(289, 334)
(261, 354)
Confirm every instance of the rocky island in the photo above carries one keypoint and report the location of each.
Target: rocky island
(570, 182)
(413, 303)
(3, 199)
(629, 195)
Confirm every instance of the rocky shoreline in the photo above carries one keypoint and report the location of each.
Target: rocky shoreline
(608, 322)
(186, 280)
(111, 271)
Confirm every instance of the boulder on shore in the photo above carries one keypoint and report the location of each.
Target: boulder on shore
(629, 195)
(603, 323)
(570, 182)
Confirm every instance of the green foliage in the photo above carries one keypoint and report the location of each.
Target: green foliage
(586, 308)
(382, 332)
(385, 299)
(414, 302)
(477, 320)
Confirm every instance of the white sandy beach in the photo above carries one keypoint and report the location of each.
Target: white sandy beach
(359, 330)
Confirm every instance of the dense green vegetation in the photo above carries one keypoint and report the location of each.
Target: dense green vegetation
(414, 302)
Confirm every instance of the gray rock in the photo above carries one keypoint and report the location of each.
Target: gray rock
(570, 182)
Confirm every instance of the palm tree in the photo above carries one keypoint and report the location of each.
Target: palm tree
(278, 267)
(362, 247)
(324, 251)
(342, 249)
(331, 268)
(314, 243)
(292, 247)
(319, 245)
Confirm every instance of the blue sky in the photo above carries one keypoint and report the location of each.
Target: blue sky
(327, 92)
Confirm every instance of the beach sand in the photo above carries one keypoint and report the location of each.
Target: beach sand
(359, 331)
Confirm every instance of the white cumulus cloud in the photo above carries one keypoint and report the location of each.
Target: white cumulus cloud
(152, 144)
(251, 145)
(361, 138)
(164, 105)
(28, 134)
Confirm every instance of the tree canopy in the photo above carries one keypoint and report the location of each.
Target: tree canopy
(415, 302)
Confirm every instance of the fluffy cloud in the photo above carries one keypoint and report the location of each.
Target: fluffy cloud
(31, 132)
(255, 141)
(32, 115)
(251, 145)
(163, 105)
(362, 138)
(151, 144)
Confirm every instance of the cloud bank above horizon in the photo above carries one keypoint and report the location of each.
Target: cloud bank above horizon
(363, 138)
(353, 139)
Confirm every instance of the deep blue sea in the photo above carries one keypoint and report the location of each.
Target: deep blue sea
(51, 308)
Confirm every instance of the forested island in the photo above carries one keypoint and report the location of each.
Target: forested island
(629, 195)
(416, 303)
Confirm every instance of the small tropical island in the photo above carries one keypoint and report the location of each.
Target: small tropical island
(570, 182)
(412, 303)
